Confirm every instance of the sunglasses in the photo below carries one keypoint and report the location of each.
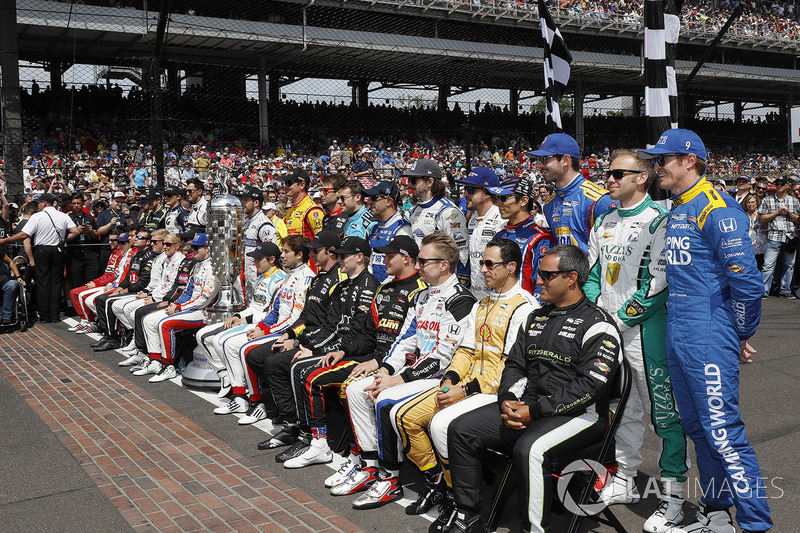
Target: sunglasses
(618, 173)
(661, 159)
(425, 260)
(341, 256)
(542, 159)
(325, 190)
(168, 244)
(548, 274)
(156, 241)
(196, 247)
(491, 264)
(142, 237)
(761, 188)
(113, 240)
(343, 198)
(471, 189)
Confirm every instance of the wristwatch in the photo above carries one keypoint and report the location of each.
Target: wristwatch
(296, 343)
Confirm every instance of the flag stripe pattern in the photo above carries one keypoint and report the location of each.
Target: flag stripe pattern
(662, 28)
(557, 60)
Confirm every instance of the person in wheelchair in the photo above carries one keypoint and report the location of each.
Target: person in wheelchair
(10, 285)
(552, 400)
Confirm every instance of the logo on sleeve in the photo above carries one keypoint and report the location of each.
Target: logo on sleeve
(727, 225)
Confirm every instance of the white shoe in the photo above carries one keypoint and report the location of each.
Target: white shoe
(621, 490)
(236, 405)
(347, 469)
(77, 326)
(140, 366)
(130, 347)
(256, 413)
(166, 372)
(89, 327)
(134, 359)
(317, 453)
(224, 386)
(667, 517)
(709, 522)
(361, 479)
(153, 367)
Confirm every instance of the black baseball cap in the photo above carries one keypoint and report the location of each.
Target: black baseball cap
(424, 168)
(267, 249)
(173, 191)
(384, 187)
(402, 244)
(354, 245)
(251, 192)
(298, 175)
(46, 197)
(324, 239)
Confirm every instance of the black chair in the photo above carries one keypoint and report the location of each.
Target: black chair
(602, 452)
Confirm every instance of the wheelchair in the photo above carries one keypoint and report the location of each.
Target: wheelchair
(24, 312)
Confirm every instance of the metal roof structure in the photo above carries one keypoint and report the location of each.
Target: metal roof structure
(98, 35)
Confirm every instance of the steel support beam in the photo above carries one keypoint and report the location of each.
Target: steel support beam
(10, 99)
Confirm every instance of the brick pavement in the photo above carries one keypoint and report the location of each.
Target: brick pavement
(162, 471)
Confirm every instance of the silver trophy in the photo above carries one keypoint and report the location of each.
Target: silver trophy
(226, 248)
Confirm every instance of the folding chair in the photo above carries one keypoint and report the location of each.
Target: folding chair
(601, 452)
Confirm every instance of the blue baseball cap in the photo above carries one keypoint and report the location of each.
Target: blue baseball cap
(124, 237)
(558, 144)
(481, 177)
(522, 186)
(676, 141)
(200, 239)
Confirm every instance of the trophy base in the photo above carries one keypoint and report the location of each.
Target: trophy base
(199, 374)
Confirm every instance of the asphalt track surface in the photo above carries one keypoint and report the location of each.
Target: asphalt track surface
(44, 488)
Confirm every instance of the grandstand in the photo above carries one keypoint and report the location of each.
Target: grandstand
(206, 53)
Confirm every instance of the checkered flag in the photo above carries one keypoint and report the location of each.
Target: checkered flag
(557, 61)
(662, 27)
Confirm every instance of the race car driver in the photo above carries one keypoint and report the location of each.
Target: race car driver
(628, 280)
(577, 202)
(714, 306)
(257, 229)
(552, 398)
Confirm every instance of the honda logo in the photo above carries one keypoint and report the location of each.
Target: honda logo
(727, 225)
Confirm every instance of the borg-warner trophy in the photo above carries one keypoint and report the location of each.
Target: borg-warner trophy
(226, 248)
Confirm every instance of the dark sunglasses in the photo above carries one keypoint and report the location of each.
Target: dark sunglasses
(471, 189)
(542, 159)
(491, 264)
(425, 260)
(113, 240)
(619, 173)
(142, 237)
(661, 159)
(548, 274)
(761, 188)
(156, 241)
(168, 244)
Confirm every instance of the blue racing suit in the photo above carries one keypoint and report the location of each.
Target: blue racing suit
(380, 235)
(714, 303)
(359, 223)
(533, 242)
(571, 211)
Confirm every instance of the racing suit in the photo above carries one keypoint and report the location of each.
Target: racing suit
(136, 280)
(212, 337)
(380, 235)
(571, 211)
(476, 368)
(310, 324)
(118, 305)
(155, 219)
(481, 230)
(560, 366)
(169, 272)
(305, 218)
(78, 295)
(159, 328)
(440, 215)
(122, 268)
(359, 223)
(714, 303)
(257, 229)
(628, 280)
(421, 353)
(533, 242)
(335, 221)
(175, 220)
(198, 217)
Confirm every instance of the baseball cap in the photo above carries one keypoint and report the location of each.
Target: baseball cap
(200, 239)
(324, 239)
(522, 186)
(676, 141)
(558, 144)
(481, 177)
(46, 197)
(384, 187)
(270, 205)
(119, 194)
(297, 176)
(150, 195)
(721, 183)
(267, 249)
(354, 245)
(743, 178)
(64, 199)
(173, 191)
(251, 192)
(424, 168)
(402, 244)
(124, 237)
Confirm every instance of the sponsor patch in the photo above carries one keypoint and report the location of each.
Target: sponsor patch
(634, 308)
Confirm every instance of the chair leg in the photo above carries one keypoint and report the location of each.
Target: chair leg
(503, 491)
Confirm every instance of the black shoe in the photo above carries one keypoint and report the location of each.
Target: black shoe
(286, 436)
(447, 514)
(433, 494)
(110, 344)
(295, 450)
(467, 525)
(103, 339)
